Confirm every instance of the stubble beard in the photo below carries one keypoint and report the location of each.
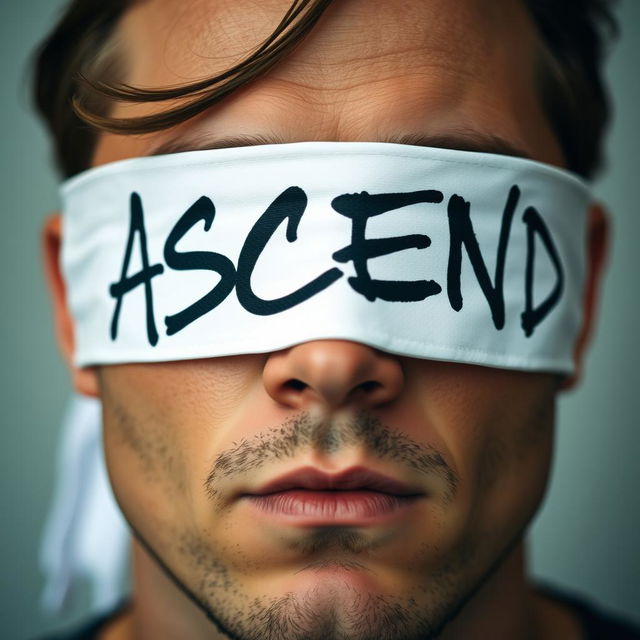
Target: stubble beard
(334, 611)
(344, 613)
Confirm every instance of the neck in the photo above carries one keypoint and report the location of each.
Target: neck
(500, 608)
(505, 606)
(160, 610)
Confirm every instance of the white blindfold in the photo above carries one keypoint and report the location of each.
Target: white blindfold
(423, 252)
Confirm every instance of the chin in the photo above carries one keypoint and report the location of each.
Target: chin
(336, 603)
(339, 582)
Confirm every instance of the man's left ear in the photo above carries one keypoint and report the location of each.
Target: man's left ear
(84, 379)
(598, 228)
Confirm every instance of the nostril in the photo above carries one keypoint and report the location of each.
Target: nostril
(369, 386)
(294, 385)
(332, 374)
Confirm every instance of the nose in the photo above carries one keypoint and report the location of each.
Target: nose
(332, 374)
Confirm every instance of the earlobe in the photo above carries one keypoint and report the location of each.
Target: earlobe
(597, 251)
(84, 380)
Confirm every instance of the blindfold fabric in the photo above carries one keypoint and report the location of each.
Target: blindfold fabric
(423, 252)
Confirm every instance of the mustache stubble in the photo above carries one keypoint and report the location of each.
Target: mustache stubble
(303, 432)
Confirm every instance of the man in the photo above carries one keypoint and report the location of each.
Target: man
(324, 487)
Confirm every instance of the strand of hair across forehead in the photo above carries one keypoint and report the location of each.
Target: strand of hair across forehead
(299, 19)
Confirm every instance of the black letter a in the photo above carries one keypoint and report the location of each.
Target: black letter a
(127, 283)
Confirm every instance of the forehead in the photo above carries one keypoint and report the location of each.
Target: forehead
(370, 69)
(194, 37)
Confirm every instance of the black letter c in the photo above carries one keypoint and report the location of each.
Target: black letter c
(289, 205)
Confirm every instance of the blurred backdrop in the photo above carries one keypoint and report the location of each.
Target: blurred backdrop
(585, 538)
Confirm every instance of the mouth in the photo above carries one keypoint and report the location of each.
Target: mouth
(356, 497)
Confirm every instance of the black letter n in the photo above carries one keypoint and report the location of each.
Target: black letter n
(462, 233)
(126, 283)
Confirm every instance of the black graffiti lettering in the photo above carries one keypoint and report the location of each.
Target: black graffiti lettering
(126, 283)
(462, 233)
(289, 205)
(362, 206)
(201, 210)
(532, 317)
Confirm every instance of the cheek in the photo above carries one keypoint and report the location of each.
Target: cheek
(517, 443)
(512, 468)
(497, 428)
(162, 424)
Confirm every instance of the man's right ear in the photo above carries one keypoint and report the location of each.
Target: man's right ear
(84, 380)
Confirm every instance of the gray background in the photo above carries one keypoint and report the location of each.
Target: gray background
(586, 537)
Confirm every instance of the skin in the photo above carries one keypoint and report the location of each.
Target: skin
(456, 565)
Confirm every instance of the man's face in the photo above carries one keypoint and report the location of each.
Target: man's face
(186, 441)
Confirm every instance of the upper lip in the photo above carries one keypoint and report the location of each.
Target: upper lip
(353, 479)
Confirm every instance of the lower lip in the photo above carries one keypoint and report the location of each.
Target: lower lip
(333, 507)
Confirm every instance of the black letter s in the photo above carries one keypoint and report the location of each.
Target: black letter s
(203, 209)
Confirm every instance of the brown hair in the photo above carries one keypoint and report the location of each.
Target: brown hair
(77, 67)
